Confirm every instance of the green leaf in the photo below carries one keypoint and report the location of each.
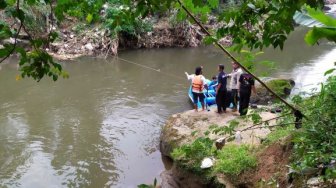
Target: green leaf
(181, 15)
(89, 18)
(3, 4)
(316, 34)
(3, 52)
(252, 6)
(11, 2)
(329, 71)
(143, 186)
(5, 32)
(213, 3)
(322, 17)
(21, 51)
(31, 2)
(18, 14)
(53, 36)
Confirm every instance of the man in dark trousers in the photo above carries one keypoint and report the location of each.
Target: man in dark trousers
(221, 92)
(246, 85)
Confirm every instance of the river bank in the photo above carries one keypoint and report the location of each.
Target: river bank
(269, 154)
(226, 150)
(263, 149)
(77, 38)
(97, 41)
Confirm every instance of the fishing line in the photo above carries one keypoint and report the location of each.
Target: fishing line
(151, 68)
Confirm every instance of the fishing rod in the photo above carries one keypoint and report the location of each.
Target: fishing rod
(297, 112)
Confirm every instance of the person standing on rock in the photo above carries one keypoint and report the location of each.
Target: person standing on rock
(221, 92)
(245, 85)
(234, 82)
(198, 83)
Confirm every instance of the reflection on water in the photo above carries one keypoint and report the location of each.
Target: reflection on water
(101, 127)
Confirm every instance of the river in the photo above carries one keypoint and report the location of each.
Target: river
(101, 127)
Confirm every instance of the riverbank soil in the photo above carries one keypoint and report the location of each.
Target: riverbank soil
(271, 168)
(77, 39)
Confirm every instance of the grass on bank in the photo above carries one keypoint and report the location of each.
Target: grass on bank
(231, 160)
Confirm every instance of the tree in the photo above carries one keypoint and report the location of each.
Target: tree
(35, 61)
(252, 23)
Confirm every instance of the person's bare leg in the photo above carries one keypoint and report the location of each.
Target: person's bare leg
(202, 106)
(195, 107)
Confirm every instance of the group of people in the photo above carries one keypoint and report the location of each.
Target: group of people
(240, 88)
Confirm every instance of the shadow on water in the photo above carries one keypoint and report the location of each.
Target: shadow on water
(101, 126)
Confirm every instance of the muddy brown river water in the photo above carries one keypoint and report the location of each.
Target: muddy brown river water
(101, 127)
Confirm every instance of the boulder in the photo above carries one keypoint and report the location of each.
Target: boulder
(178, 178)
(281, 86)
(89, 46)
(186, 127)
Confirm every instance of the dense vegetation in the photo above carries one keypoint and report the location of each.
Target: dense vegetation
(315, 144)
(231, 160)
(252, 23)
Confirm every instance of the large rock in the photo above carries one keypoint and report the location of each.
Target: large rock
(176, 178)
(281, 86)
(185, 127)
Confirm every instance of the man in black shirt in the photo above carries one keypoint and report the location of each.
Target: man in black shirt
(246, 85)
(221, 92)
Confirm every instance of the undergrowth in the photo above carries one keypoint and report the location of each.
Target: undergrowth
(277, 134)
(315, 144)
(231, 160)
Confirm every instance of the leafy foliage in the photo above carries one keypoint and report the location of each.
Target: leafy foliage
(233, 159)
(315, 145)
(148, 186)
(249, 58)
(120, 18)
(261, 23)
(30, 16)
(324, 26)
(252, 23)
(190, 156)
(88, 10)
(278, 133)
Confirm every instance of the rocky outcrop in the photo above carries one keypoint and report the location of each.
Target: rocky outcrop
(176, 177)
(281, 86)
(182, 128)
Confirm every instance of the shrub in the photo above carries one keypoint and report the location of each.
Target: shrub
(277, 134)
(233, 159)
(191, 155)
(315, 144)
(120, 19)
